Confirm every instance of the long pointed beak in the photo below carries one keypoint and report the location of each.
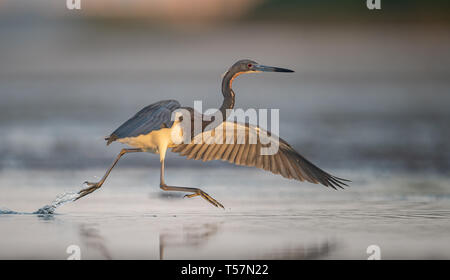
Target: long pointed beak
(264, 68)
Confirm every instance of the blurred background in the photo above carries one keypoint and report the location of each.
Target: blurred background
(371, 87)
(369, 101)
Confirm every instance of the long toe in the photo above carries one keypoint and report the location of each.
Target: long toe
(211, 199)
(191, 195)
(87, 191)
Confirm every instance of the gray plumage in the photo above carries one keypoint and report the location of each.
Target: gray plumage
(152, 117)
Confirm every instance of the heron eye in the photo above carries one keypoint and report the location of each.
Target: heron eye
(249, 65)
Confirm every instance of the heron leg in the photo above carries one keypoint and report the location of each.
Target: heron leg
(194, 191)
(94, 186)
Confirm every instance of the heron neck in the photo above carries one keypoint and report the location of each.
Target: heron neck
(228, 93)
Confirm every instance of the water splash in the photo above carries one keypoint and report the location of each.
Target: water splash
(59, 200)
(47, 209)
(6, 211)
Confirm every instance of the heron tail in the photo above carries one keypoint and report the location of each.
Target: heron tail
(110, 139)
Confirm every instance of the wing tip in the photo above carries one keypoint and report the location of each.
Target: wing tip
(338, 182)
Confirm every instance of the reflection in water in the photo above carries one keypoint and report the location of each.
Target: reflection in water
(198, 235)
(195, 239)
(191, 236)
(46, 217)
(302, 252)
(89, 233)
(90, 236)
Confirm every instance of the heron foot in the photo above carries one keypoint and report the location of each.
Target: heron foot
(92, 187)
(195, 192)
(205, 196)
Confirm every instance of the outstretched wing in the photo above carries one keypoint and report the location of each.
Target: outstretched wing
(245, 147)
(150, 118)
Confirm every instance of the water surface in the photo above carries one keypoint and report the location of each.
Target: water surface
(266, 217)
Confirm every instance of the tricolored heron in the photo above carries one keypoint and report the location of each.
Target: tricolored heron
(151, 130)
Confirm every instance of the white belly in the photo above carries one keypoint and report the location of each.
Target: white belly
(156, 141)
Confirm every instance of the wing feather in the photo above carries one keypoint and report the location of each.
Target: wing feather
(226, 146)
(150, 118)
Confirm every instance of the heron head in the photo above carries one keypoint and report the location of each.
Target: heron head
(250, 66)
